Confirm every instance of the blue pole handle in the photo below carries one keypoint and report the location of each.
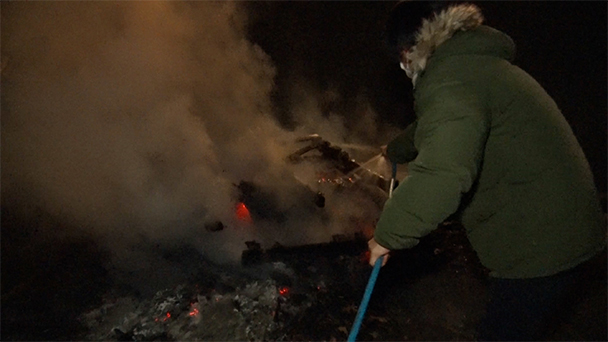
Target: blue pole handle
(366, 296)
(354, 331)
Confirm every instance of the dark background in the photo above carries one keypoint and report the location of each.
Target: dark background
(339, 45)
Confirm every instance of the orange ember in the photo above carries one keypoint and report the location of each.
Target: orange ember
(193, 312)
(365, 256)
(283, 291)
(368, 230)
(242, 213)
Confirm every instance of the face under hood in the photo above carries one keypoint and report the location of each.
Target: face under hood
(437, 30)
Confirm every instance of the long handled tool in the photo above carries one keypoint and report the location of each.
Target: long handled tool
(352, 337)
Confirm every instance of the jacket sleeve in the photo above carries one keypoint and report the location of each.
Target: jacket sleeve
(450, 139)
(402, 149)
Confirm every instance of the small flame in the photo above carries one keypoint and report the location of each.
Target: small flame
(283, 291)
(168, 316)
(193, 312)
(242, 213)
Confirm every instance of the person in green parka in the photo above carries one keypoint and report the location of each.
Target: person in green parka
(492, 146)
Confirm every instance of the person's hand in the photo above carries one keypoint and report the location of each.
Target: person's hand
(376, 251)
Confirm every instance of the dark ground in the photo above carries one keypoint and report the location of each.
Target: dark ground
(435, 291)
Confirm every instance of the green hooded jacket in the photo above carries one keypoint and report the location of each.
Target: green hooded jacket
(492, 145)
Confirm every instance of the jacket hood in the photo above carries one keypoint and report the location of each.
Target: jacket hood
(438, 29)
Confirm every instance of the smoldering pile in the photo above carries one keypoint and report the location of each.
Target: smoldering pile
(309, 292)
(182, 313)
(258, 302)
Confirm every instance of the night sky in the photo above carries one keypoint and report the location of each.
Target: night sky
(339, 45)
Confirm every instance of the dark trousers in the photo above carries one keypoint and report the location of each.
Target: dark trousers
(527, 309)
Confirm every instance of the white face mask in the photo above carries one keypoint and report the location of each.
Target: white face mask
(407, 69)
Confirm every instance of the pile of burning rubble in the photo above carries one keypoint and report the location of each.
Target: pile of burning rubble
(307, 292)
(273, 288)
(182, 313)
(260, 301)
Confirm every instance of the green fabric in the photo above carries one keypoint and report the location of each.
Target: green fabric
(491, 144)
(402, 149)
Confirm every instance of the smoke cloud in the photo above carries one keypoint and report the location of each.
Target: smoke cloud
(134, 121)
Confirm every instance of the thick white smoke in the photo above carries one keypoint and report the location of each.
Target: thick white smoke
(133, 121)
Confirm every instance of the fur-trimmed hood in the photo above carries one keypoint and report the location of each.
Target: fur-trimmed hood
(436, 30)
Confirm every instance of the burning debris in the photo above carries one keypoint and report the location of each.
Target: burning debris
(261, 301)
(324, 175)
(183, 313)
(340, 169)
(330, 194)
